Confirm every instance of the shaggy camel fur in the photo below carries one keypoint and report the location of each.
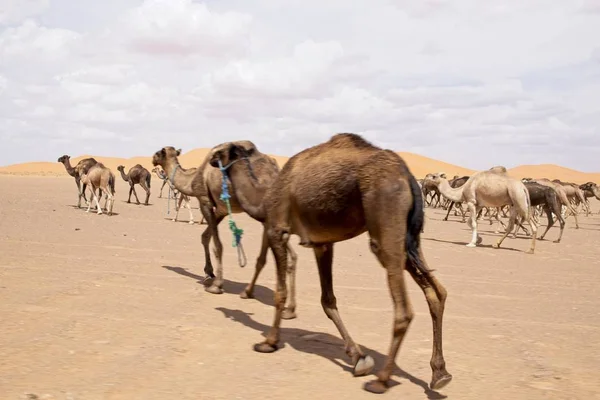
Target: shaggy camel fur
(562, 195)
(80, 169)
(101, 177)
(137, 175)
(249, 173)
(338, 190)
(491, 188)
(182, 197)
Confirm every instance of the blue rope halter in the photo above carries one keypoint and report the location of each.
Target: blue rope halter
(236, 232)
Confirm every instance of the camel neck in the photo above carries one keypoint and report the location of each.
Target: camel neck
(125, 177)
(69, 168)
(454, 194)
(179, 178)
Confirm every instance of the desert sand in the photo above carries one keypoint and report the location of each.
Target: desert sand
(98, 307)
(418, 164)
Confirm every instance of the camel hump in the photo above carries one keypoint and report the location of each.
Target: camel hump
(345, 140)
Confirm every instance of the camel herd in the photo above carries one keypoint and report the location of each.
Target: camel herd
(332, 192)
(498, 192)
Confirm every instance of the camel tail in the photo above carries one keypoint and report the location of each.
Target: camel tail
(111, 184)
(415, 221)
(148, 178)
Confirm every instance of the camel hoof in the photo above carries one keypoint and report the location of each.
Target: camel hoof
(441, 381)
(496, 245)
(247, 295)
(288, 314)
(191, 222)
(364, 366)
(530, 251)
(470, 245)
(556, 241)
(213, 289)
(265, 347)
(376, 386)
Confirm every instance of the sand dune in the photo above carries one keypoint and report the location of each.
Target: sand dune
(419, 165)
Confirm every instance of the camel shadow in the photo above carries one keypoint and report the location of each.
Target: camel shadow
(261, 293)
(487, 246)
(327, 346)
(182, 221)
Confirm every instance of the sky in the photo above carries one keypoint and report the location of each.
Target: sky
(470, 82)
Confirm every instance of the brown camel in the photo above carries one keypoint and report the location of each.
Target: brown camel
(546, 197)
(574, 194)
(249, 173)
(338, 190)
(491, 188)
(76, 172)
(562, 195)
(137, 175)
(179, 197)
(100, 177)
(590, 189)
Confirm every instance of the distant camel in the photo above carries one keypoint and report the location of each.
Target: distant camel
(336, 191)
(137, 175)
(81, 168)
(182, 197)
(562, 195)
(456, 182)
(546, 197)
(590, 189)
(491, 188)
(100, 177)
(574, 193)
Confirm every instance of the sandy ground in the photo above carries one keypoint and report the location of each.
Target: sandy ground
(98, 307)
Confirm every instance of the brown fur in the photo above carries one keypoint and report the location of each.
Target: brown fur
(101, 177)
(563, 195)
(246, 189)
(336, 191)
(76, 172)
(137, 175)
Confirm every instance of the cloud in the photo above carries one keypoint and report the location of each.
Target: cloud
(15, 11)
(469, 83)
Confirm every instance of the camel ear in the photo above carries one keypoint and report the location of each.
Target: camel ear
(178, 152)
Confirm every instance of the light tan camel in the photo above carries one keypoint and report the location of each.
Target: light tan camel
(336, 191)
(179, 197)
(562, 195)
(101, 177)
(249, 174)
(76, 172)
(137, 175)
(491, 188)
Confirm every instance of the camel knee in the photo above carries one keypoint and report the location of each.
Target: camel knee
(402, 322)
(329, 303)
(280, 297)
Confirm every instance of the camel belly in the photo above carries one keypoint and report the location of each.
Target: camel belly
(318, 227)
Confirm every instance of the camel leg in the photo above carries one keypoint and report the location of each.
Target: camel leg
(261, 260)
(161, 189)
(449, 209)
(550, 222)
(324, 255)
(435, 294)
(212, 230)
(289, 312)
(472, 223)
(78, 183)
(135, 194)
(187, 205)
(130, 191)
(147, 190)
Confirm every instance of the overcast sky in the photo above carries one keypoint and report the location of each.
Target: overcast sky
(475, 83)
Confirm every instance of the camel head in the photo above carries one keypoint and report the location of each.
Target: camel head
(120, 167)
(64, 158)
(587, 186)
(165, 154)
(231, 151)
(436, 179)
